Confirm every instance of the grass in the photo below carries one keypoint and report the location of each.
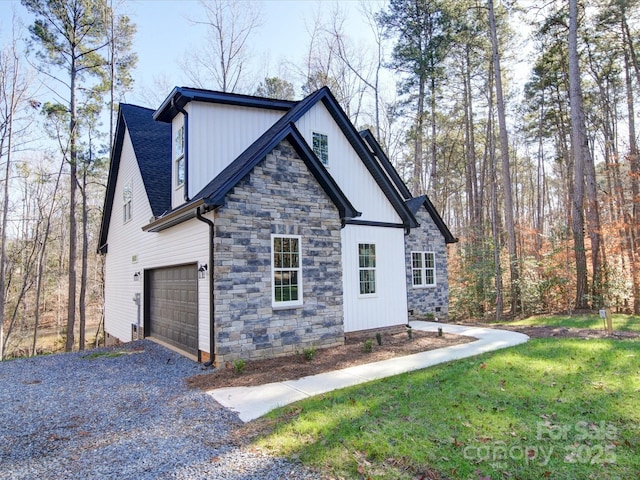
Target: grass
(113, 354)
(551, 408)
(625, 323)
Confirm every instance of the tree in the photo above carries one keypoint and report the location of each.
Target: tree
(580, 150)
(14, 96)
(71, 36)
(423, 36)
(506, 169)
(275, 87)
(223, 63)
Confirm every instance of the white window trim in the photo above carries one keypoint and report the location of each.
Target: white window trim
(424, 269)
(294, 303)
(127, 201)
(376, 282)
(315, 132)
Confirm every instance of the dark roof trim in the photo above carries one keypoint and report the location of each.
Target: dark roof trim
(179, 215)
(114, 166)
(415, 203)
(183, 95)
(378, 152)
(356, 141)
(370, 223)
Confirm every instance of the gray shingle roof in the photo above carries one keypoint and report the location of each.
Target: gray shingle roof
(152, 145)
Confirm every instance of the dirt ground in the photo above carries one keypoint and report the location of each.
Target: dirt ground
(395, 343)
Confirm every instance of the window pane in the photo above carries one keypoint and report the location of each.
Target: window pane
(180, 171)
(417, 277)
(429, 259)
(286, 269)
(430, 279)
(416, 259)
(321, 147)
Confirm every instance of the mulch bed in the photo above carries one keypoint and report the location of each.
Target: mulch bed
(394, 344)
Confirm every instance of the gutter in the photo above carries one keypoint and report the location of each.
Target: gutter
(212, 356)
(186, 147)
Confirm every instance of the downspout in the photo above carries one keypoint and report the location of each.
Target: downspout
(186, 147)
(211, 269)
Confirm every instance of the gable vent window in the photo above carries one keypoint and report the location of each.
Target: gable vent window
(321, 147)
(423, 269)
(179, 149)
(127, 196)
(367, 268)
(286, 270)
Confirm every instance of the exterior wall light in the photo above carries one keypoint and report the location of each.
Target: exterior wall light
(202, 271)
(136, 277)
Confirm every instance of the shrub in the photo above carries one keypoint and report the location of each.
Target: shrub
(309, 353)
(379, 338)
(367, 347)
(239, 365)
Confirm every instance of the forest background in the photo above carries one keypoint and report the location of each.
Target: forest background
(516, 118)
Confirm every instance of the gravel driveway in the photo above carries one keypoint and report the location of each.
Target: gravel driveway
(90, 415)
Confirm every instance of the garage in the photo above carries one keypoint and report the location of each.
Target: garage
(171, 300)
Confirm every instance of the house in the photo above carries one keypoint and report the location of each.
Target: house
(243, 227)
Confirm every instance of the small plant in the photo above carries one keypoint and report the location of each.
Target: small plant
(409, 332)
(239, 365)
(367, 347)
(439, 331)
(309, 353)
(429, 317)
(379, 338)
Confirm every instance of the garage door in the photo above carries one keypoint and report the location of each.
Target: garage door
(172, 296)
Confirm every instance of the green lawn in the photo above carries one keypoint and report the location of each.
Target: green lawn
(551, 408)
(625, 323)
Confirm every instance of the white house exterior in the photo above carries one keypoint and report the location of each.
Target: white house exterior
(243, 227)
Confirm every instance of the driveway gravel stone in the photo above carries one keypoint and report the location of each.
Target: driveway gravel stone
(121, 413)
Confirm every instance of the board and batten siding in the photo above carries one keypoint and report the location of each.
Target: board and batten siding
(131, 250)
(388, 307)
(346, 167)
(218, 134)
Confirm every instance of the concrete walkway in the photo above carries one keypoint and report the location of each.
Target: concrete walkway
(253, 402)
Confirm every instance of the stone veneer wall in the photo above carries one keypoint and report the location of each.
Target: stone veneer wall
(279, 196)
(427, 238)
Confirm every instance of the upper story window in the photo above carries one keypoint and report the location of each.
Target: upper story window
(179, 157)
(127, 197)
(286, 267)
(367, 268)
(423, 269)
(321, 147)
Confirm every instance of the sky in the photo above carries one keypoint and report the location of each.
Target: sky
(165, 35)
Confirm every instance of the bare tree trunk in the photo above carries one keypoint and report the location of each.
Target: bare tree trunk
(506, 172)
(73, 184)
(416, 181)
(634, 220)
(580, 149)
(85, 254)
(41, 260)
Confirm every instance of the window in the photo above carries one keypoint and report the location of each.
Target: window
(423, 269)
(367, 268)
(179, 149)
(127, 194)
(321, 147)
(287, 273)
